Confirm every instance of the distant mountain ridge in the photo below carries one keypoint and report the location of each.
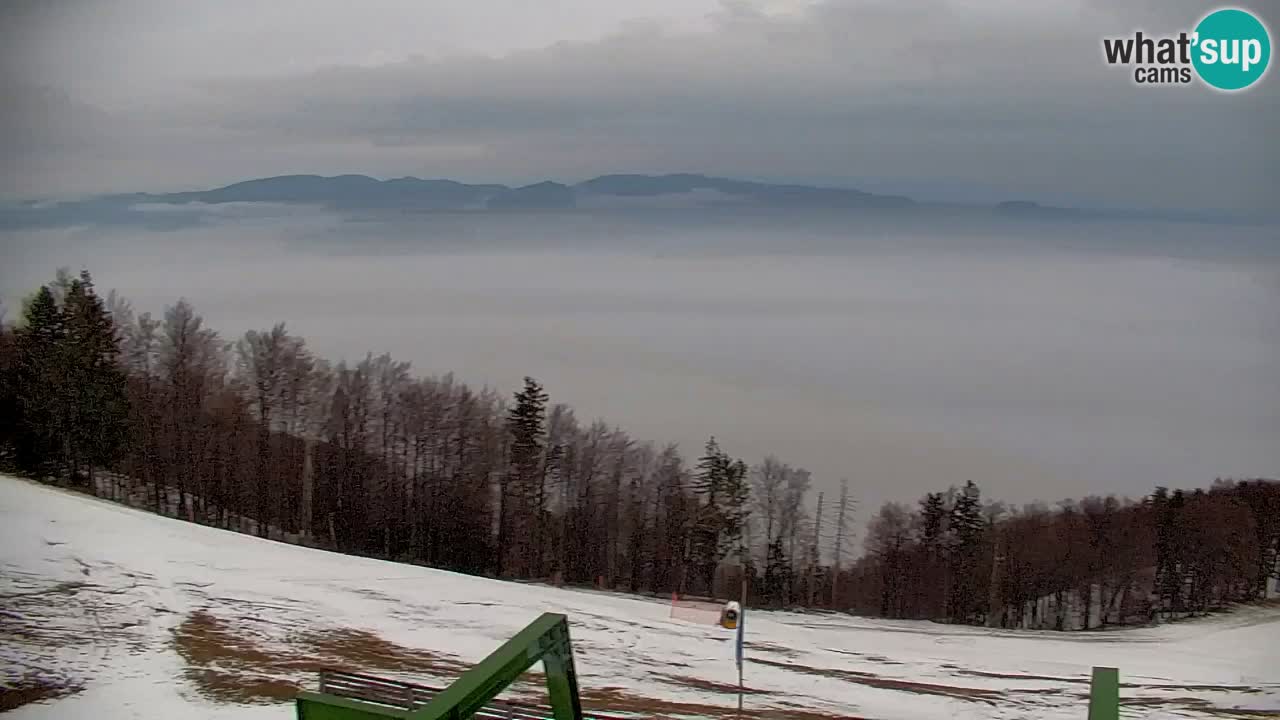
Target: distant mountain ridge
(411, 193)
(628, 191)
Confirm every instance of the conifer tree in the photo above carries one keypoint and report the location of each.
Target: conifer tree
(94, 392)
(708, 479)
(525, 429)
(966, 516)
(38, 379)
(966, 525)
(933, 515)
(709, 482)
(1159, 502)
(933, 518)
(68, 389)
(723, 491)
(8, 386)
(737, 492)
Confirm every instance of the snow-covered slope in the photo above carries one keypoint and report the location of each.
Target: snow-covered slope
(136, 615)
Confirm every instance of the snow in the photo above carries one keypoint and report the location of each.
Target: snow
(94, 595)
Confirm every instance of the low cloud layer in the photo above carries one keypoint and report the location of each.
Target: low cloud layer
(1005, 95)
(1042, 362)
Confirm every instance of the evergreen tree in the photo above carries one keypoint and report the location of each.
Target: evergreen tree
(1264, 504)
(933, 518)
(1176, 565)
(737, 493)
(966, 517)
(525, 428)
(721, 486)
(933, 515)
(8, 386)
(709, 478)
(1163, 515)
(98, 408)
(966, 525)
(708, 484)
(39, 385)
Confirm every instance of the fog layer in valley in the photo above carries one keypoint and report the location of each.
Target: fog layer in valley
(1039, 359)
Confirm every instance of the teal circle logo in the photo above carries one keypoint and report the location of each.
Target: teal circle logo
(1231, 49)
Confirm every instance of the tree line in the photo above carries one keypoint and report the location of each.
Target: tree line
(259, 434)
(1082, 564)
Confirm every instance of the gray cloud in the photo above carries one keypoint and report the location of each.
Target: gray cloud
(1009, 95)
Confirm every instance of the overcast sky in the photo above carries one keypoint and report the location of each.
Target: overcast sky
(1008, 96)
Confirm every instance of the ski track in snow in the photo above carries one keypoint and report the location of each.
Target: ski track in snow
(92, 594)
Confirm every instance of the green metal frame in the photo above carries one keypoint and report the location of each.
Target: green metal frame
(1104, 694)
(545, 639)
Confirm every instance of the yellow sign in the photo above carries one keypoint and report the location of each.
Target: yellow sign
(729, 615)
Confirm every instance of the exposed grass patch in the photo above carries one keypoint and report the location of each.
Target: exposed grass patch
(229, 663)
(1201, 705)
(367, 652)
(34, 689)
(619, 700)
(710, 685)
(240, 687)
(1019, 676)
(872, 680)
(870, 658)
(770, 648)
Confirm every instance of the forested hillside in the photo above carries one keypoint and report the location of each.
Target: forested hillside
(256, 433)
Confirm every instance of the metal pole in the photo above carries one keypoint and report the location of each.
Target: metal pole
(742, 627)
(740, 688)
(739, 691)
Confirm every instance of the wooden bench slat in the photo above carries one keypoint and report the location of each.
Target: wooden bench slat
(410, 696)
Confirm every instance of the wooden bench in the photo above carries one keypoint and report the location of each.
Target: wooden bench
(410, 696)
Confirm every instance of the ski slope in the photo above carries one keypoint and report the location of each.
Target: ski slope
(137, 615)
